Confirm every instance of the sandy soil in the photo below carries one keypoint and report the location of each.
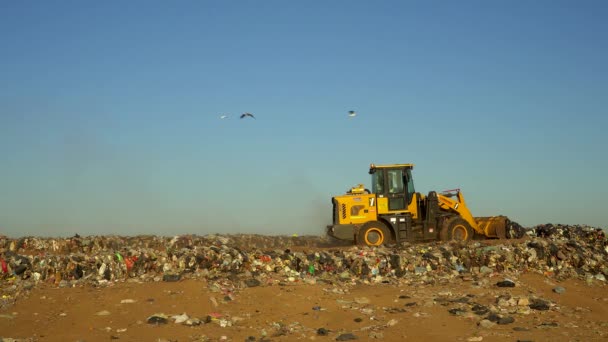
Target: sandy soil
(295, 311)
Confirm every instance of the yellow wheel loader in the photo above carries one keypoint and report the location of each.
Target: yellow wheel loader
(393, 212)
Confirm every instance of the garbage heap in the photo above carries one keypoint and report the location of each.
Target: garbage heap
(558, 251)
(581, 232)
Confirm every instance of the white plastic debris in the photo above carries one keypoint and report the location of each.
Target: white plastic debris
(180, 318)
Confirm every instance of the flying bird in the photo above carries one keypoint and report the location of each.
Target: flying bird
(223, 116)
(352, 113)
(244, 115)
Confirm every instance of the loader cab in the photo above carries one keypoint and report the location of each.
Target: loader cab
(393, 185)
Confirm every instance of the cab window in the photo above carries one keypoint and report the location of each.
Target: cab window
(410, 184)
(395, 181)
(378, 182)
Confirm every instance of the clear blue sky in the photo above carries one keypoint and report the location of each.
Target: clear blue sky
(109, 111)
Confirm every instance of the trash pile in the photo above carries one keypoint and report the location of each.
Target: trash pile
(558, 251)
(581, 232)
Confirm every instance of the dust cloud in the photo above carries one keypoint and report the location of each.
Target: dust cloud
(296, 205)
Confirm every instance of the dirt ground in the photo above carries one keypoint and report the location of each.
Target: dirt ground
(296, 311)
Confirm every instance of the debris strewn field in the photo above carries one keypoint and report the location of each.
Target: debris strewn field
(548, 285)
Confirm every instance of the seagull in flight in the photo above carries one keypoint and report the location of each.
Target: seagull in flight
(223, 116)
(244, 115)
(352, 113)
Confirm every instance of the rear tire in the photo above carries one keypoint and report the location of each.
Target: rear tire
(373, 234)
(457, 229)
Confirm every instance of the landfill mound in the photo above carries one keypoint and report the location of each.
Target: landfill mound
(559, 251)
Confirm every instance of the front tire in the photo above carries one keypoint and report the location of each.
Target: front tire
(373, 234)
(457, 229)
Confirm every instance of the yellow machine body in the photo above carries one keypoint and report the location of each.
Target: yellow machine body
(395, 211)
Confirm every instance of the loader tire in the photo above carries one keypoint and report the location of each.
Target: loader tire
(456, 229)
(374, 233)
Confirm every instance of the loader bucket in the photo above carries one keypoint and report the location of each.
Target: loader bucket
(493, 226)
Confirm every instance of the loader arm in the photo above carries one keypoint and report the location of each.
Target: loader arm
(458, 205)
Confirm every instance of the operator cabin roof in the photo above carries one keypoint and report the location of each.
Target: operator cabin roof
(374, 166)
